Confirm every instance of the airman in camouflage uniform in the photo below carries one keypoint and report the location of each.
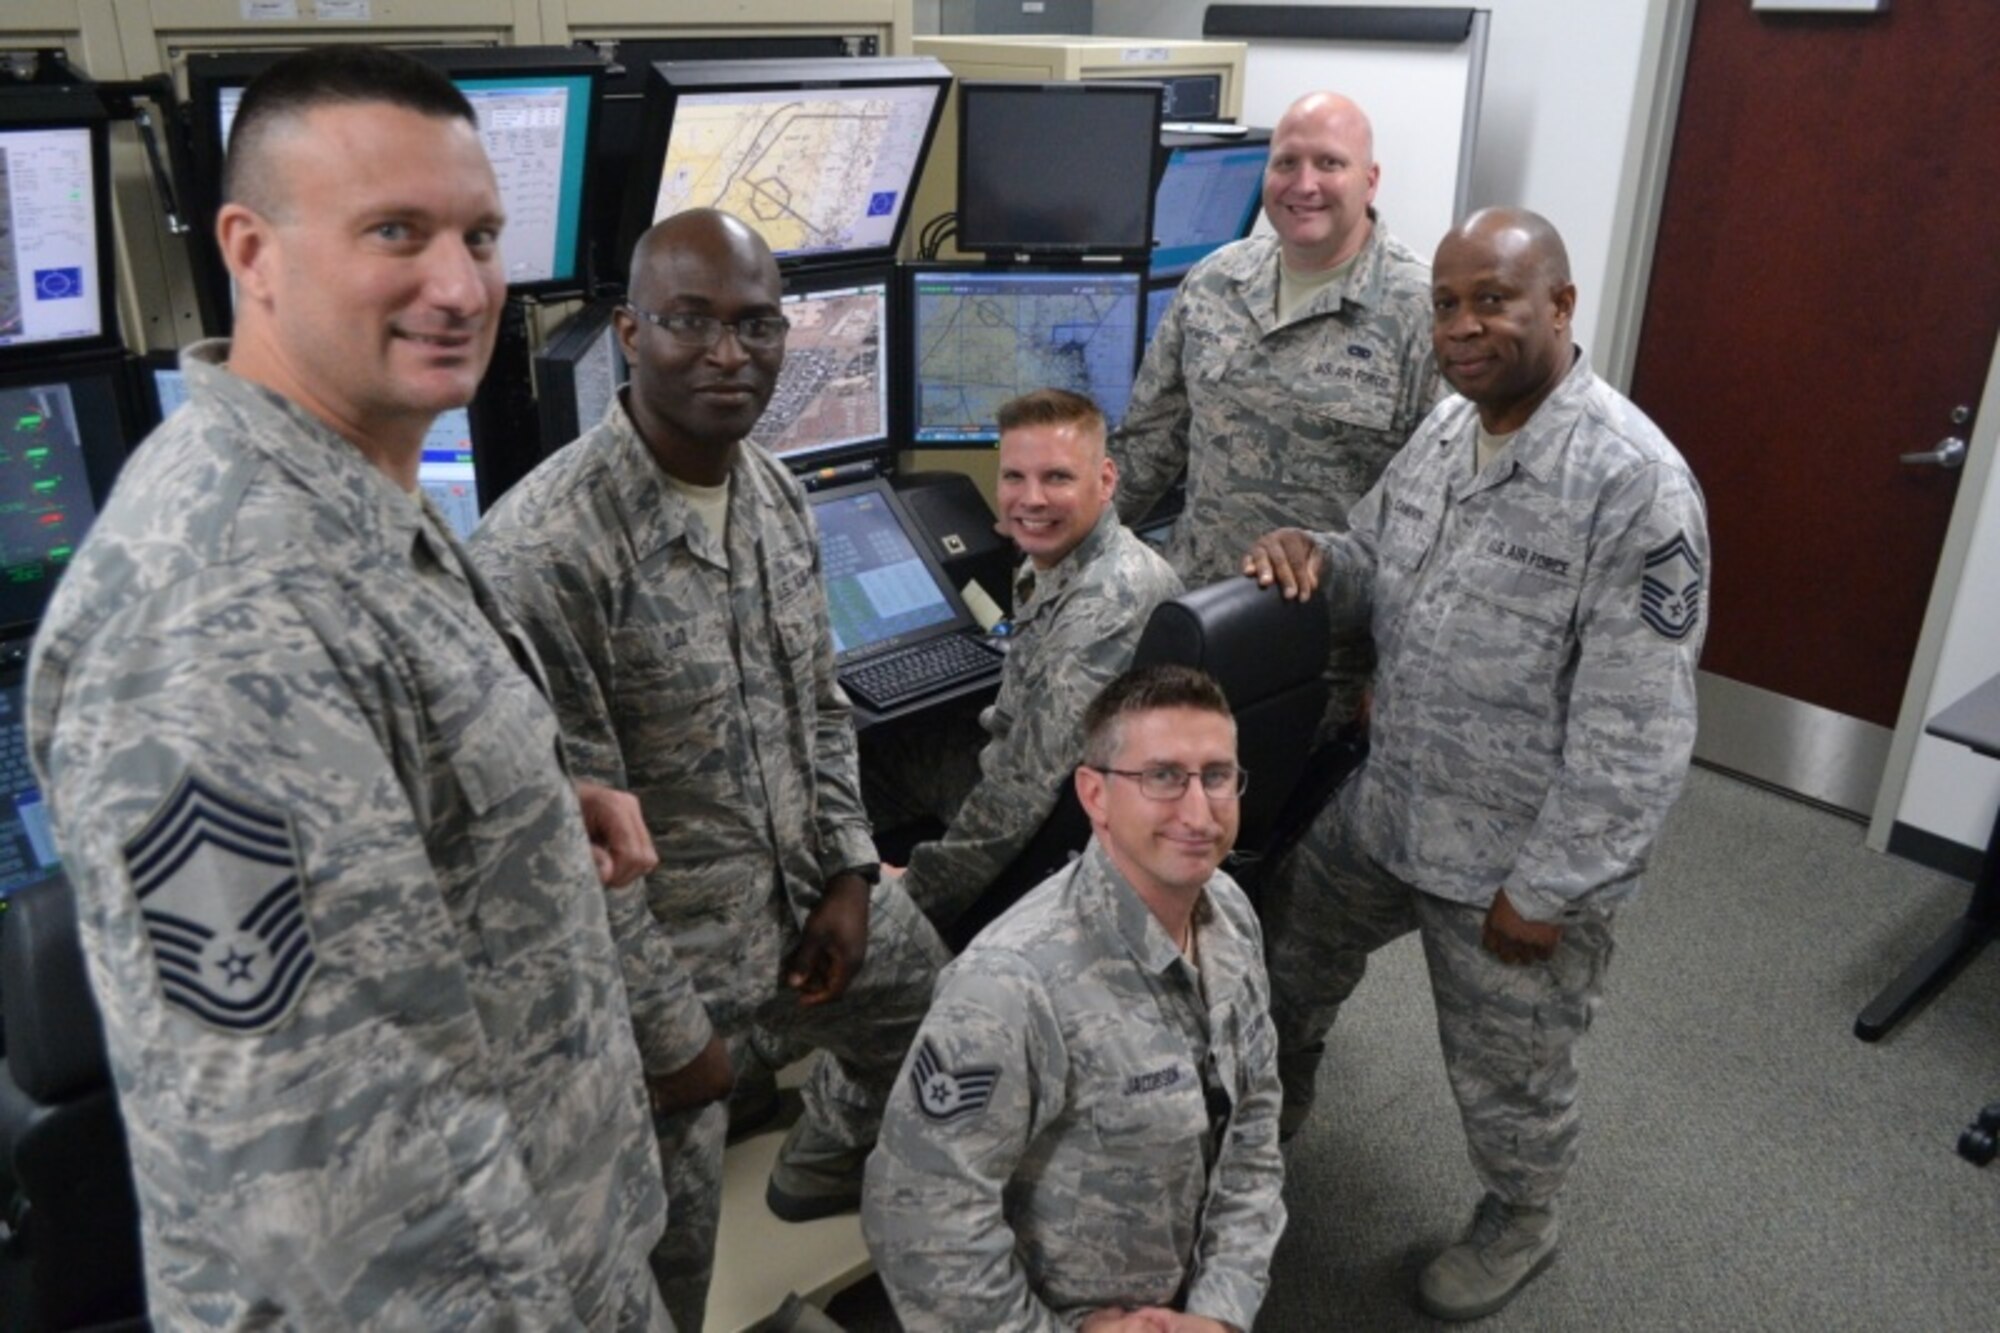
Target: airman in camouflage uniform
(1087, 1125)
(1284, 412)
(1533, 563)
(1084, 593)
(692, 662)
(360, 994)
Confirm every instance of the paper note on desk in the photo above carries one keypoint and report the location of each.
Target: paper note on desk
(984, 609)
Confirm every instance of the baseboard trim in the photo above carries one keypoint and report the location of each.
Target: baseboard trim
(1934, 851)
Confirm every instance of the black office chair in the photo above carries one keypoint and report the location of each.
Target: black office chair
(1270, 657)
(70, 1209)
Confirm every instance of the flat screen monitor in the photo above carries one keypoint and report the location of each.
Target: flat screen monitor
(62, 438)
(577, 374)
(620, 118)
(979, 336)
(820, 156)
(832, 399)
(1208, 197)
(1057, 168)
(536, 107)
(448, 473)
(58, 283)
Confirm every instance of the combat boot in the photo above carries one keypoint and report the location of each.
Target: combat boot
(1506, 1246)
(814, 1177)
(1297, 1071)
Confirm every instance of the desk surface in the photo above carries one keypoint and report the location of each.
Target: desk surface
(1973, 720)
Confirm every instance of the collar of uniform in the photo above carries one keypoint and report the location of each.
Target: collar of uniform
(1048, 584)
(337, 473)
(1546, 434)
(1111, 901)
(656, 514)
(1362, 286)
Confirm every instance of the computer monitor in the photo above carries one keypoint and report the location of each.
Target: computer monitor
(820, 156)
(577, 375)
(1208, 196)
(62, 438)
(58, 280)
(832, 399)
(448, 471)
(1057, 168)
(882, 588)
(621, 123)
(536, 107)
(979, 336)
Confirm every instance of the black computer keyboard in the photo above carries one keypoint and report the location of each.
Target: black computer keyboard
(924, 668)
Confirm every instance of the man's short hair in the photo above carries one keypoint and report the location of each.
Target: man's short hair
(1050, 407)
(321, 76)
(1144, 690)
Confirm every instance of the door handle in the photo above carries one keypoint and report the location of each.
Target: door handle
(1949, 454)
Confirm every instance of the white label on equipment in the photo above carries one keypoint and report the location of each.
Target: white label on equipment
(270, 11)
(1144, 55)
(343, 11)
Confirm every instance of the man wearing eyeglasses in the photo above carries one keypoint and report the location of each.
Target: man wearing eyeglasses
(1086, 1131)
(668, 572)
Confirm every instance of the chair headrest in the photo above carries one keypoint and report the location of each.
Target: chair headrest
(1254, 642)
(55, 1039)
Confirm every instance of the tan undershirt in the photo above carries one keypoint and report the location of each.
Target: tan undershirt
(1485, 446)
(1295, 289)
(711, 503)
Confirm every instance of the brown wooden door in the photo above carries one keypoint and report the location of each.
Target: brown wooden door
(1825, 290)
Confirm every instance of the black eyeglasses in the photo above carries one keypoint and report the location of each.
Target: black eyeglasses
(759, 333)
(1164, 782)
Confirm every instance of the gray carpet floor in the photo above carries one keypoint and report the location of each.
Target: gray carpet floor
(1748, 1164)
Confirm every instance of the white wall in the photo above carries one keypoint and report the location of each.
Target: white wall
(1951, 791)
(1553, 124)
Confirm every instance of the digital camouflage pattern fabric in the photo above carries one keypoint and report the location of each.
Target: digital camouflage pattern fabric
(1075, 626)
(269, 664)
(1085, 1120)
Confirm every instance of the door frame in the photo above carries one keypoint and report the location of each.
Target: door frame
(1642, 188)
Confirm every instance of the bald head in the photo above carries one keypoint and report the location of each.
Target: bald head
(1501, 304)
(699, 379)
(1330, 113)
(1320, 182)
(1516, 234)
(697, 245)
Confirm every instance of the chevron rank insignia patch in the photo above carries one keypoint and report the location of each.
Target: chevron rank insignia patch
(944, 1094)
(220, 889)
(1670, 591)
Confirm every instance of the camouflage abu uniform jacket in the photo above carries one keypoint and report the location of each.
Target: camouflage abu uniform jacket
(1076, 629)
(699, 676)
(358, 986)
(1538, 627)
(1277, 425)
(1049, 1148)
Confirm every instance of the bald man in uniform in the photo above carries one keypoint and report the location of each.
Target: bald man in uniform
(1288, 370)
(668, 570)
(1534, 565)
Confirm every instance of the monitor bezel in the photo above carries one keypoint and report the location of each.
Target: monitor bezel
(209, 74)
(105, 416)
(975, 89)
(962, 617)
(882, 449)
(910, 274)
(70, 107)
(1171, 144)
(670, 79)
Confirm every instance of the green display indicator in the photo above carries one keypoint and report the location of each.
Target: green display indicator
(37, 454)
(47, 484)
